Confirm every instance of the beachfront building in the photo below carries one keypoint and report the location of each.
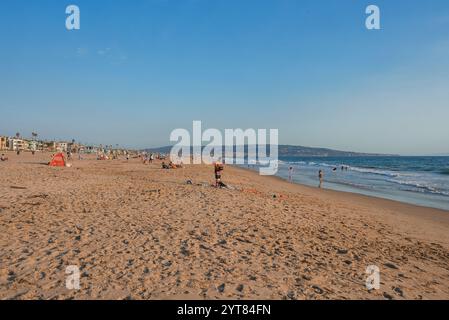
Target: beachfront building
(49, 146)
(90, 149)
(3, 143)
(34, 145)
(16, 144)
(62, 146)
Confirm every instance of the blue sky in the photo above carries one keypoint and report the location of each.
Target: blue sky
(139, 69)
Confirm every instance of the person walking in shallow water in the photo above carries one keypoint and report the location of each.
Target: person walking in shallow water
(320, 176)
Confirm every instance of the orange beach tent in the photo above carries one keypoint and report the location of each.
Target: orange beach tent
(58, 160)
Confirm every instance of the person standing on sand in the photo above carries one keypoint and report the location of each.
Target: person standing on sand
(290, 174)
(320, 176)
(218, 168)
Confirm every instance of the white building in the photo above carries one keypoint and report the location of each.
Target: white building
(17, 144)
(62, 146)
(3, 143)
(34, 145)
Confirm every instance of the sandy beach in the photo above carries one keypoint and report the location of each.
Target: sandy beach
(139, 232)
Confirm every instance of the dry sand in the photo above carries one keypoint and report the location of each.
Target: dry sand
(139, 232)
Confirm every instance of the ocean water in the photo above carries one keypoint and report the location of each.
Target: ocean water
(417, 180)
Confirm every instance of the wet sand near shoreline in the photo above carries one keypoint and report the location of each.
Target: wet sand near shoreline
(139, 232)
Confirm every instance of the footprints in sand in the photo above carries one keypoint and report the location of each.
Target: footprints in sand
(135, 233)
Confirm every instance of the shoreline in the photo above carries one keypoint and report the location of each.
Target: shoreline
(342, 187)
(402, 209)
(139, 232)
(349, 193)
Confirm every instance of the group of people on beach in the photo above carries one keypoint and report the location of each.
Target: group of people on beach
(320, 176)
(148, 158)
(171, 165)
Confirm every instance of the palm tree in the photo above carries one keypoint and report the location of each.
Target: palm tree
(34, 135)
(34, 146)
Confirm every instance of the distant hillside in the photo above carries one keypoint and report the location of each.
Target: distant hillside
(296, 151)
(300, 151)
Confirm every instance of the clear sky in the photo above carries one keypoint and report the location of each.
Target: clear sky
(139, 69)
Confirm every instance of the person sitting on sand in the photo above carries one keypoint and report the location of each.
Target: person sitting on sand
(218, 168)
(174, 166)
(3, 158)
(164, 166)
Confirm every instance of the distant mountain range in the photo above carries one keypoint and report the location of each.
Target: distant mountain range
(300, 151)
(297, 151)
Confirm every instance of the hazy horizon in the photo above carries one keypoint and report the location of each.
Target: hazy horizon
(137, 70)
(442, 154)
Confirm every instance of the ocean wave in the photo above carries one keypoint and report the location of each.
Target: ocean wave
(375, 171)
(421, 186)
(415, 181)
(310, 163)
(353, 168)
(327, 165)
(292, 162)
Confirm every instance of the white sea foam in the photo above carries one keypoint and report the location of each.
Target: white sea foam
(421, 186)
(375, 171)
(416, 182)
